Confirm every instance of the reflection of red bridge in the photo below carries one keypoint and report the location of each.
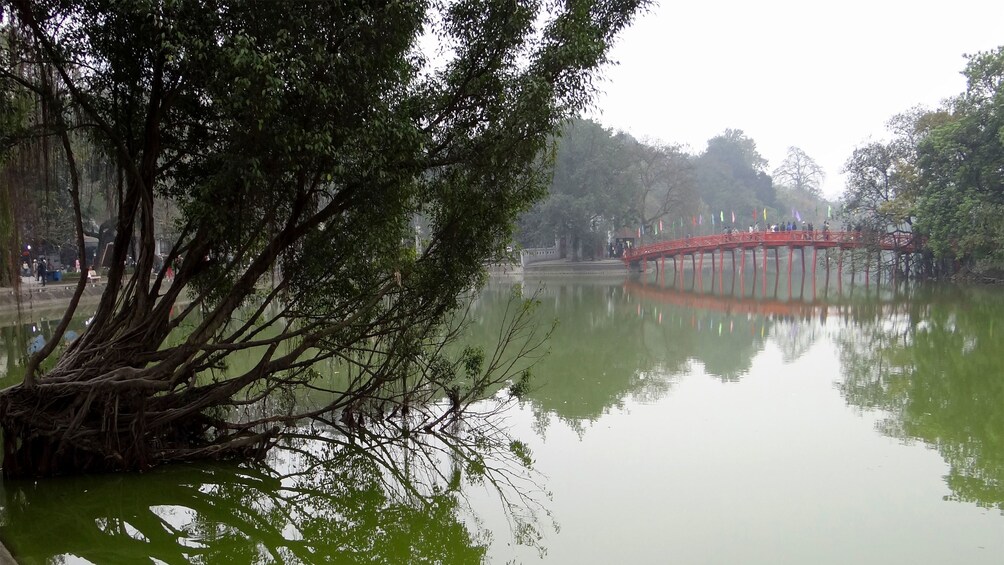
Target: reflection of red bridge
(736, 305)
(900, 243)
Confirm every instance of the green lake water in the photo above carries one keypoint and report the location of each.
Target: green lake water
(747, 421)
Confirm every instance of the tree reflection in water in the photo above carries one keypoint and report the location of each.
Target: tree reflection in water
(928, 356)
(358, 497)
(935, 369)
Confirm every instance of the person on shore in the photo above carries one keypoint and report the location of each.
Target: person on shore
(43, 271)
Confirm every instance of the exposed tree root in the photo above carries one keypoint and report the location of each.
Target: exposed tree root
(50, 434)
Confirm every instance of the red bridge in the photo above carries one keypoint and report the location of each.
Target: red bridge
(900, 243)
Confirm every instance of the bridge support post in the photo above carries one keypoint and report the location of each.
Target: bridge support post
(742, 280)
(791, 255)
(813, 277)
(764, 270)
(700, 266)
(826, 287)
(720, 274)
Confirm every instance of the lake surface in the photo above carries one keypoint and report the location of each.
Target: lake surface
(673, 421)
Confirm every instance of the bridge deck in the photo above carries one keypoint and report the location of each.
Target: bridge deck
(900, 242)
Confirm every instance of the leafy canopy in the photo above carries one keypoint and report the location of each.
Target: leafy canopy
(300, 141)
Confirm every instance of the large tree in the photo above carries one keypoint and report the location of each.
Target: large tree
(592, 189)
(874, 185)
(961, 161)
(665, 184)
(731, 174)
(883, 177)
(800, 173)
(299, 141)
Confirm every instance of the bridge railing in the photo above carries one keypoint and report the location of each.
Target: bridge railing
(888, 241)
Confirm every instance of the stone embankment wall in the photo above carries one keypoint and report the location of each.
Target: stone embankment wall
(33, 295)
(538, 254)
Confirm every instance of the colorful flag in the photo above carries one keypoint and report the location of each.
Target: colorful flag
(765, 214)
(660, 225)
(700, 220)
(829, 211)
(798, 216)
(639, 232)
(733, 216)
(721, 215)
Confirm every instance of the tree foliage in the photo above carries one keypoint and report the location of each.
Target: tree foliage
(592, 189)
(605, 181)
(961, 157)
(942, 173)
(731, 174)
(800, 173)
(880, 187)
(298, 140)
(666, 184)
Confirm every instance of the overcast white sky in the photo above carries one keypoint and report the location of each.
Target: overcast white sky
(822, 76)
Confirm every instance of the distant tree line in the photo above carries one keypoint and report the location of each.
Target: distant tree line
(607, 182)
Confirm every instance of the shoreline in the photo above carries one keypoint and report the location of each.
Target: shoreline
(604, 267)
(33, 296)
